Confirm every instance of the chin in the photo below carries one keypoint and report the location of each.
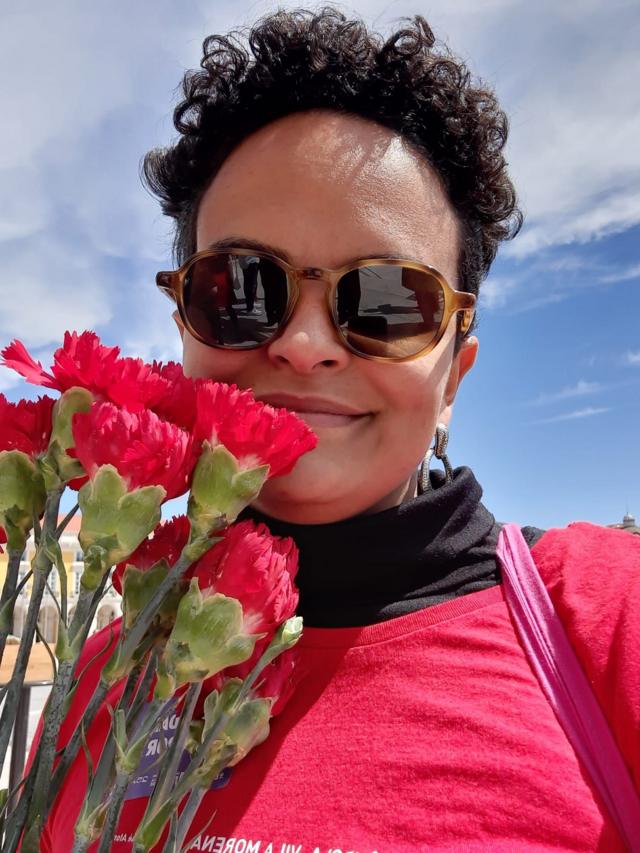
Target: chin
(309, 497)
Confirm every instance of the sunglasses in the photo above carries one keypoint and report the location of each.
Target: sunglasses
(382, 309)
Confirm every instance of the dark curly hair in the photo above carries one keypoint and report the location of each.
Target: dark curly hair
(292, 61)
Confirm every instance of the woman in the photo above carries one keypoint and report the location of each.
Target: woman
(419, 723)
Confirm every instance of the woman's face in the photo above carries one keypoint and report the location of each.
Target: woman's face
(320, 190)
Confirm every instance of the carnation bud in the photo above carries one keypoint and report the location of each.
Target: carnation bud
(220, 488)
(115, 519)
(22, 492)
(207, 637)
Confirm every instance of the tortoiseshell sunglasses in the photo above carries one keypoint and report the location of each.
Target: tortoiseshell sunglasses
(383, 309)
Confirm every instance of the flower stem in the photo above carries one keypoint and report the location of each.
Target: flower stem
(95, 703)
(157, 709)
(63, 524)
(8, 593)
(55, 710)
(42, 566)
(171, 761)
(130, 640)
(116, 798)
(186, 817)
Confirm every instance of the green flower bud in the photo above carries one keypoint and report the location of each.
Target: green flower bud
(57, 464)
(115, 519)
(220, 489)
(138, 588)
(22, 492)
(207, 637)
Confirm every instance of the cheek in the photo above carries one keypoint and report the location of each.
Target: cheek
(412, 405)
(203, 362)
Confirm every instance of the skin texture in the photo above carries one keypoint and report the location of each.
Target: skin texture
(324, 189)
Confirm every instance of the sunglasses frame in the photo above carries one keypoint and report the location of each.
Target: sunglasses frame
(171, 283)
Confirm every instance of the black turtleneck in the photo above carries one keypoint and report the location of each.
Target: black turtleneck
(369, 568)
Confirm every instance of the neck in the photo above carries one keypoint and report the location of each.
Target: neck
(403, 493)
(384, 563)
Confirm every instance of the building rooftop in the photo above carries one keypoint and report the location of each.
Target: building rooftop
(628, 523)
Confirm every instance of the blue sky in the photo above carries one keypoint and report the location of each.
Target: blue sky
(549, 417)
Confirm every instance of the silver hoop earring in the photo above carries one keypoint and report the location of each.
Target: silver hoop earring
(440, 451)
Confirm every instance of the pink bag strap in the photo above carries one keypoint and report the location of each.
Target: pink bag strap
(564, 683)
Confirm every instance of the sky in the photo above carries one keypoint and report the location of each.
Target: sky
(549, 417)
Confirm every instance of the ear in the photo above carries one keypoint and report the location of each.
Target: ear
(460, 366)
(179, 323)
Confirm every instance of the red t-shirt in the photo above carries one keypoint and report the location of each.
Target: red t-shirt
(428, 730)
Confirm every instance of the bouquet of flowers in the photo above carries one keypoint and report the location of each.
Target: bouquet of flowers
(208, 628)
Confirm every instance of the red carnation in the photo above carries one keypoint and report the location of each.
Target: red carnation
(166, 541)
(254, 432)
(256, 568)
(3, 539)
(84, 361)
(26, 425)
(178, 405)
(145, 450)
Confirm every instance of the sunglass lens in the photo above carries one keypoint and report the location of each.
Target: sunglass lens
(236, 301)
(389, 311)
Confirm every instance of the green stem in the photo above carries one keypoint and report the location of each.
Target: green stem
(187, 782)
(56, 706)
(157, 710)
(13, 598)
(104, 772)
(186, 818)
(116, 798)
(130, 640)
(171, 761)
(42, 566)
(95, 703)
(63, 524)
(9, 592)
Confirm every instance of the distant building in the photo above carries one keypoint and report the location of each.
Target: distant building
(628, 524)
(73, 559)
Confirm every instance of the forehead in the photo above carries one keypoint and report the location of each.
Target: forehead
(329, 188)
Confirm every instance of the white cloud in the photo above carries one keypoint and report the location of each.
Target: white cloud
(626, 274)
(632, 358)
(8, 378)
(580, 389)
(581, 413)
(47, 288)
(495, 292)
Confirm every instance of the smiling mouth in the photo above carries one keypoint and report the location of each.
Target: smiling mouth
(328, 419)
(316, 411)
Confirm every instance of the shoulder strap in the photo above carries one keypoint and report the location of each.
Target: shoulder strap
(564, 683)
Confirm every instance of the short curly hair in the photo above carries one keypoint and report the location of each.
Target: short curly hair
(297, 60)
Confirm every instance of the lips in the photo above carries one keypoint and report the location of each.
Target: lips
(309, 405)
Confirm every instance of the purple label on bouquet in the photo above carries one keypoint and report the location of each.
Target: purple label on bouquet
(144, 780)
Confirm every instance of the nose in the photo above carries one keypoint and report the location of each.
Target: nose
(309, 343)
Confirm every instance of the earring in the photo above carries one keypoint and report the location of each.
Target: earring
(440, 450)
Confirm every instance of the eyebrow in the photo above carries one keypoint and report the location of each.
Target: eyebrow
(269, 249)
(246, 243)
